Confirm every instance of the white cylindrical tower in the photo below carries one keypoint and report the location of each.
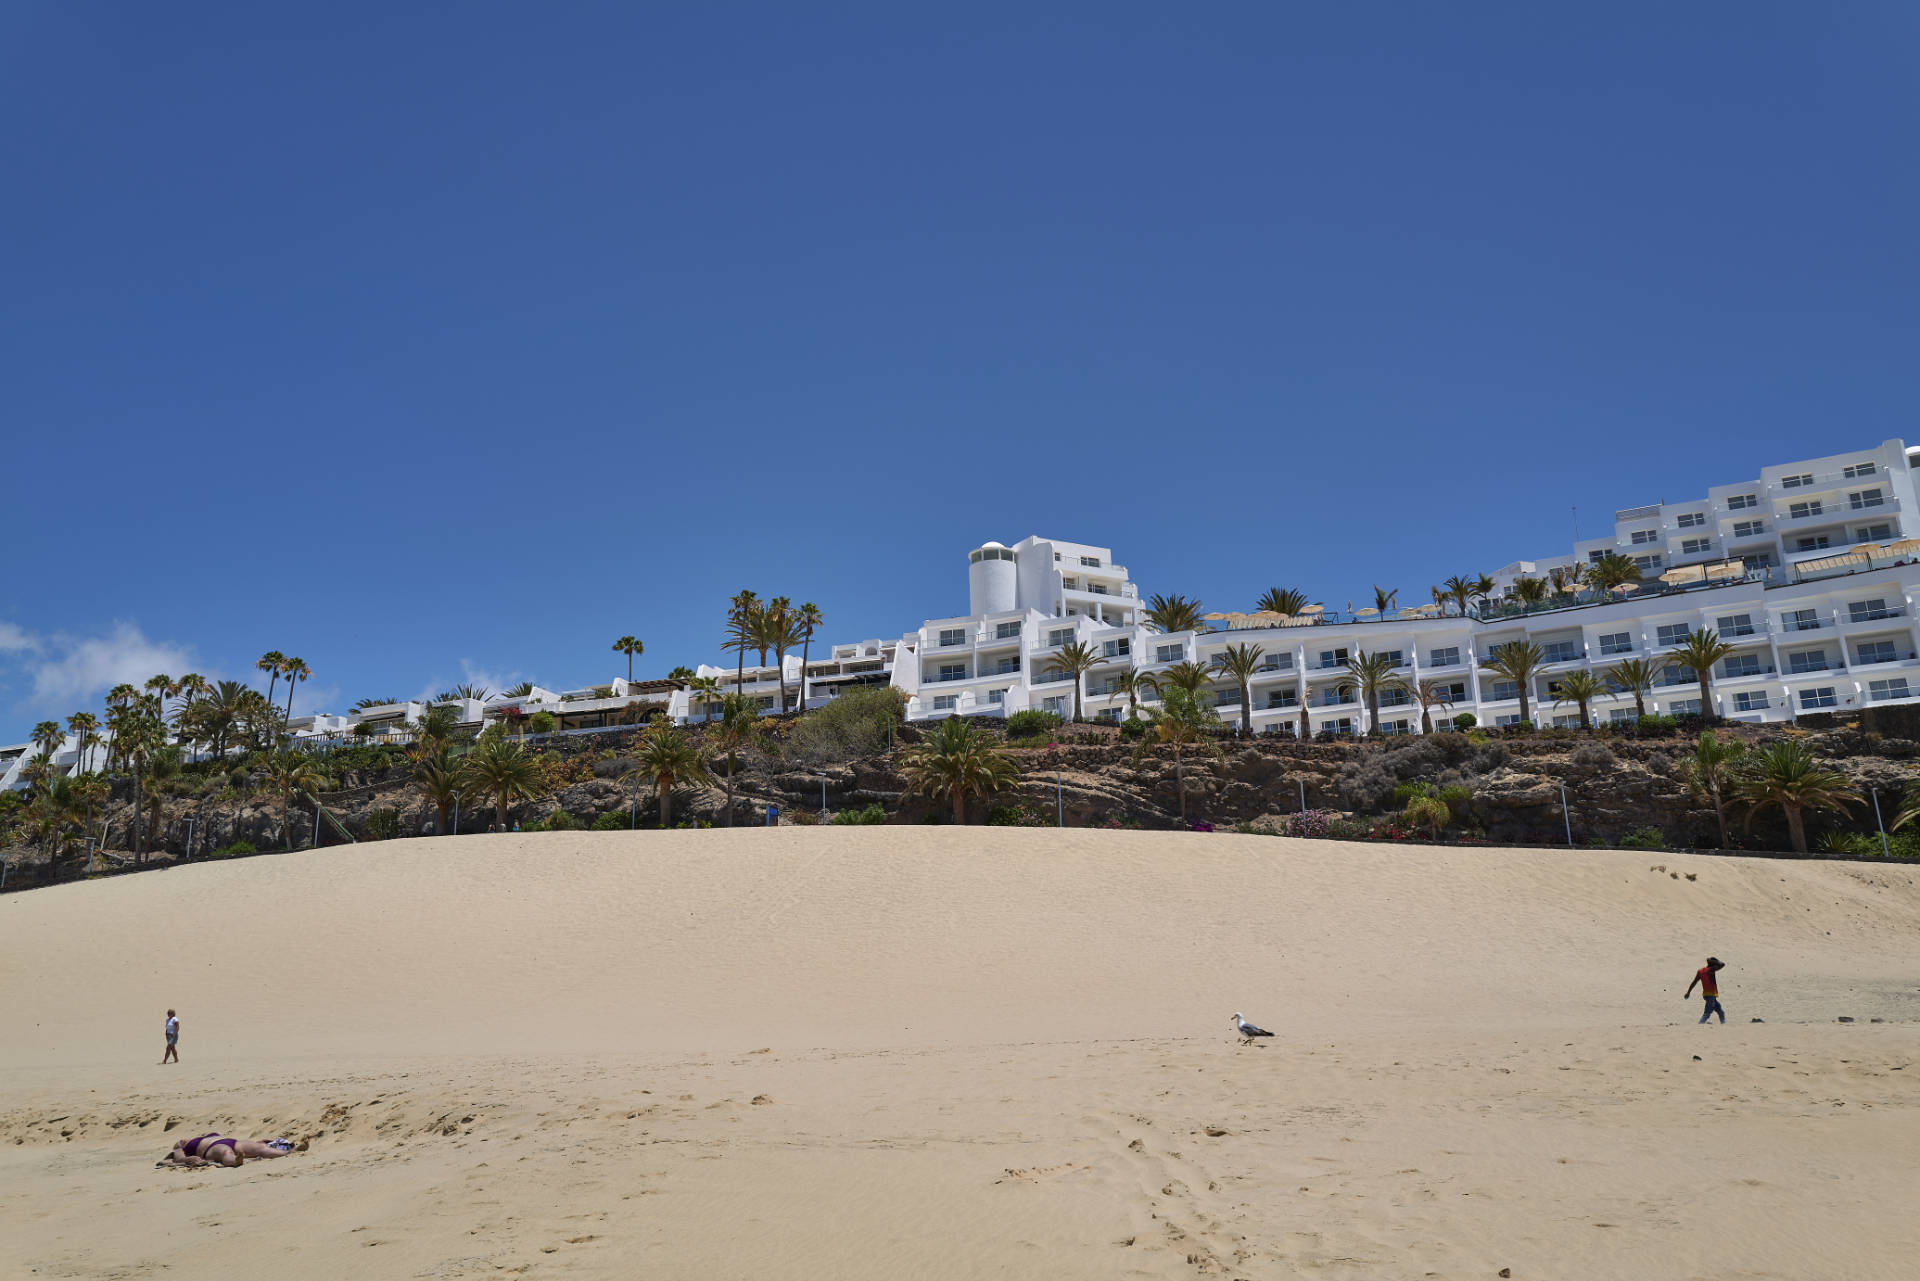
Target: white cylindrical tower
(993, 581)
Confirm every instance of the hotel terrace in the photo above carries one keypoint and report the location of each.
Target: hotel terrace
(1809, 570)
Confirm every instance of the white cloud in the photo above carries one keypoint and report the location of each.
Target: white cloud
(309, 699)
(471, 675)
(15, 639)
(78, 668)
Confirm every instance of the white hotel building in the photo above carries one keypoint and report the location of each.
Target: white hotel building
(1810, 570)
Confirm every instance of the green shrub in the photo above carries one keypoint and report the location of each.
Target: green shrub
(1015, 816)
(1644, 838)
(1456, 797)
(559, 821)
(228, 851)
(1031, 722)
(1465, 721)
(612, 821)
(1405, 792)
(1657, 724)
(857, 723)
(541, 723)
(872, 815)
(1133, 729)
(383, 825)
(1425, 811)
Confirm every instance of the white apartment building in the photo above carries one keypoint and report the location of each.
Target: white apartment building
(1810, 570)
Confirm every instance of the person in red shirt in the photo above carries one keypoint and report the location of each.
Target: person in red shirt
(1709, 988)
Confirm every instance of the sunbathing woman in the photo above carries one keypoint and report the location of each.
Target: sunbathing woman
(214, 1149)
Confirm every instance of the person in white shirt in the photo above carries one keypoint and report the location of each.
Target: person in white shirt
(173, 1039)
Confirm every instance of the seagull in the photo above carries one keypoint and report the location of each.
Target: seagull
(1247, 1030)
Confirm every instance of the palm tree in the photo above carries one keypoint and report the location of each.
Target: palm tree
(1459, 590)
(500, 770)
(273, 662)
(1698, 655)
(807, 618)
(47, 737)
(1183, 719)
(1384, 600)
(667, 757)
(1635, 676)
(466, 689)
(1786, 775)
(439, 782)
(629, 646)
(1238, 663)
(1530, 591)
(162, 768)
(707, 689)
(1372, 675)
(1173, 613)
(783, 632)
(89, 790)
(141, 735)
(954, 762)
(1483, 586)
(1612, 570)
(288, 772)
(1517, 661)
(434, 730)
(682, 674)
(1136, 685)
(741, 612)
(1711, 774)
(1432, 694)
(296, 670)
(739, 724)
(523, 690)
(767, 624)
(1189, 676)
(1076, 659)
(1281, 600)
(1579, 688)
(1563, 579)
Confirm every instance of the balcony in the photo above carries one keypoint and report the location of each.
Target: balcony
(1809, 668)
(1869, 660)
(1802, 624)
(1874, 615)
(940, 678)
(1746, 673)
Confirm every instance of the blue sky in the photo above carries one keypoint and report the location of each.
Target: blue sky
(433, 342)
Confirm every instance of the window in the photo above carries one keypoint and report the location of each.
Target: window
(1616, 643)
(996, 696)
(1880, 691)
(1648, 562)
(1741, 502)
(1282, 698)
(1091, 562)
(1750, 700)
(1340, 725)
(953, 671)
(1692, 520)
(1595, 557)
(1566, 722)
(1807, 660)
(1070, 584)
(1641, 536)
(1800, 511)
(1860, 611)
(1821, 697)
(1695, 546)
(1757, 560)
(1004, 666)
(1060, 636)
(1333, 657)
(1796, 482)
(990, 553)
(1672, 674)
(1736, 625)
(1860, 498)
(1799, 620)
(1395, 727)
(1874, 652)
(1276, 663)
(1224, 697)
(1006, 631)
(1169, 653)
(953, 636)
(1854, 471)
(1622, 716)
(1454, 693)
(1116, 648)
(1504, 690)
(1741, 665)
(945, 702)
(1674, 633)
(1506, 719)
(766, 703)
(1749, 528)
(1684, 707)
(1056, 705)
(1872, 533)
(1395, 698)
(1561, 651)
(1813, 544)
(1107, 714)
(1448, 657)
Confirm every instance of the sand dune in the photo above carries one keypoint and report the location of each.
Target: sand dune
(965, 1053)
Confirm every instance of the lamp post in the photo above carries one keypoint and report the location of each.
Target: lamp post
(1884, 851)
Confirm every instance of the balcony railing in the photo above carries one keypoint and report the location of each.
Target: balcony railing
(940, 677)
(1727, 674)
(1869, 660)
(1871, 615)
(1802, 624)
(1808, 668)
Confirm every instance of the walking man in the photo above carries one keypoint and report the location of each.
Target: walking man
(173, 1039)
(1709, 988)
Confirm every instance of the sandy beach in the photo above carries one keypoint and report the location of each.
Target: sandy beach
(958, 1053)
